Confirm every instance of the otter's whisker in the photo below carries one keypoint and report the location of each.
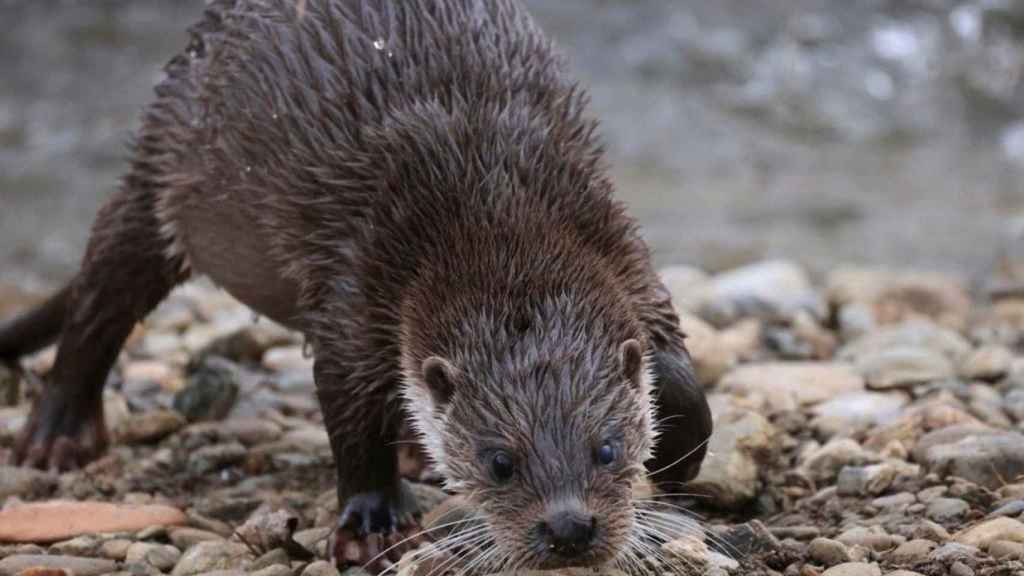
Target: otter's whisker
(416, 535)
(681, 458)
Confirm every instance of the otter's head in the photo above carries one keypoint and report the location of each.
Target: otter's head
(545, 445)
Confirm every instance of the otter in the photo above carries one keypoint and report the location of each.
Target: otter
(418, 187)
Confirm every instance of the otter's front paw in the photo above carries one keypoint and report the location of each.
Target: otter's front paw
(375, 530)
(61, 434)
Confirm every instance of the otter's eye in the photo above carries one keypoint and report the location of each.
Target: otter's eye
(502, 467)
(606, 454)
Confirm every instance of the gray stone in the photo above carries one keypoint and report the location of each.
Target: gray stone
(912, 334)
(912, 551)
(953, 551)
(212, 458)
(873, 538)
(903, 367)
(12, 565)
(985, 460)
(185, 538)
(274, 570)
(825, 463)
(149, 427)
(775, 288)
(960, 569)
(79, 546)
(856, 410)
(1006, 550)
(159, 556)
(947, 510)
(987, 363)
(211, 391)
(784, 386)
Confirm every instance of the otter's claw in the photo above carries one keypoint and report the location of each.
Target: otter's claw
(374, 531)
(60, 436)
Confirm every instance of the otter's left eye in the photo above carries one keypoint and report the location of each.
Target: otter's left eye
(606, 454)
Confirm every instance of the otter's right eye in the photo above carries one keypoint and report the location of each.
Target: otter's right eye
(502, 466)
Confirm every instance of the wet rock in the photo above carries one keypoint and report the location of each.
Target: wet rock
(731, 474)
(947, 510)
(853, 569)
(828, 552)
(217, 457)
(159, 556)
(825, 463)
(25, 482)
(58, 520)
(710, 358)
(149, 426)
(210, 393)
(775, 288)
(894, 297)
(988, 531)
(13, 565)
(985, 460)
(213, 555)
(903, 367)
(790, 386)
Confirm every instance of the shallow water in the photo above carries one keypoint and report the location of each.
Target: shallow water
(736, 130)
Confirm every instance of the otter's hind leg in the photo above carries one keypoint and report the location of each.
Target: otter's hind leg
(126, 271)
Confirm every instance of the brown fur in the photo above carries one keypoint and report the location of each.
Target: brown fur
(398, 180)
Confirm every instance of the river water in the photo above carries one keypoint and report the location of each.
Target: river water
(825, 131)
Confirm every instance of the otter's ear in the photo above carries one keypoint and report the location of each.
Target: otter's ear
(631, 356)
(439, 378)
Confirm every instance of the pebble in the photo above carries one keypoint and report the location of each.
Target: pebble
(1006, 550)
(274, 570)
(272, 528)
(953, 551)
(853, 411)
(825, 463)
(910, 334)
(853, 569)
(874, 538)
(791, 385)
(58, 520)
(730, 475)
(903, 367)
(895, 296)
(184, 538)
(159, 556)
(947, 510)
(874, 479)
(25, 482)
(321, 568)
(219, 456)
(13, 565)
(149, 427)
(211, 391)
(213, 555)
(773, 288)
(985, 460)
(988, 363)
(988, 531)
(711, 359)
(828, 552)
(896, 501)
(1012, 508)
(912, 551)
(928, 530)
(115, 549)
(960, 569)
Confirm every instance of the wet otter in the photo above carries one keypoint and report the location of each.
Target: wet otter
(417, 187)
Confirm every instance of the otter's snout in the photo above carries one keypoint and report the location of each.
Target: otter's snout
(569, 533)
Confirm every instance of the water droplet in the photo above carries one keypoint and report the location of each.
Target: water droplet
(256, 318)
(307, 348)
(379, 44)
(248, 169)
(274, 115)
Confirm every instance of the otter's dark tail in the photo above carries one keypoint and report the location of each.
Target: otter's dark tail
(35, 329)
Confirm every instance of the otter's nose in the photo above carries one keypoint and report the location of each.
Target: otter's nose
(569, 533)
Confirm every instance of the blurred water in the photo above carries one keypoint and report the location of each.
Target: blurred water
(827, 131)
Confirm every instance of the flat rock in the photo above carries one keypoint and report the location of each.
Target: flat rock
(911, 334)
(59, 520)
(16, 564)
(792, 385)
(987, 363)
(148, 427)
(857, 410)
(825, 463)
(159, 556)
(772, 288)
(730, 474)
